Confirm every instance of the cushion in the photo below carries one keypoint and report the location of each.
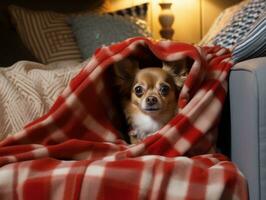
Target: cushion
(138, 11)
(12, 48)
(45, 34)
(241, 24)
(52, 39)
(94, 30)
(253, 44)
(223, 19)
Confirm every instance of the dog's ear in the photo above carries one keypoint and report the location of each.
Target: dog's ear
(125, 71)
(178, 69)
(126, 68)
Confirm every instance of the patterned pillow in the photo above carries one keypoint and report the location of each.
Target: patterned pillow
(12, 49)
(45, 34)
(48, 36)
(94, 30)
(138, 11)
(253, 44)
(223, 19)
(138, 15)
(240, 24)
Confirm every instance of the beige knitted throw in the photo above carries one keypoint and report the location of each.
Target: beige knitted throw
(28, 90)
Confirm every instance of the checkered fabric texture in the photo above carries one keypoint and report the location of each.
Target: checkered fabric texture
(241, 23)
(74, 152)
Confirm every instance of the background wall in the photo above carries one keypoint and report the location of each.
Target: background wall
(188, 25)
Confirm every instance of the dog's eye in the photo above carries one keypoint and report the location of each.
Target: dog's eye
(164, 90)
(139, 91)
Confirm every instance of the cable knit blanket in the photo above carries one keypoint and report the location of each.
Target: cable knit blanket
(29, 89)
(74, 151)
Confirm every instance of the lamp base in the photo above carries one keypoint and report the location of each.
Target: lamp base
(166, 19)
(167, 33)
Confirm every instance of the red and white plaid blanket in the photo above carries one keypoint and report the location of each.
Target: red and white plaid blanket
(74, 152)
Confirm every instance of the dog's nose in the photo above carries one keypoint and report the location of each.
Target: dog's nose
(151, 100)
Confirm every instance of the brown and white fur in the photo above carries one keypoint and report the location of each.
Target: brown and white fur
(149, 95)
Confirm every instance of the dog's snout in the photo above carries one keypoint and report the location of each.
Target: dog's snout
(151, 100)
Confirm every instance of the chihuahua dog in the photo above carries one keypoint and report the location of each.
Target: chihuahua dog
(149, 95)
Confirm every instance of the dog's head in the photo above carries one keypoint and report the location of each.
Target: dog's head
(149, 95)
(151, 90)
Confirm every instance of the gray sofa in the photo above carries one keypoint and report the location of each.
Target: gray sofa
(247, 93)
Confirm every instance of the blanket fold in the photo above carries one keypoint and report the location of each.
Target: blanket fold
(76, 152)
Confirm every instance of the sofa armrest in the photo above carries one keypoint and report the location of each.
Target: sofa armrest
(247, 90)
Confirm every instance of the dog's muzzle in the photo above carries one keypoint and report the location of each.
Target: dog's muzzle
(151, 103)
